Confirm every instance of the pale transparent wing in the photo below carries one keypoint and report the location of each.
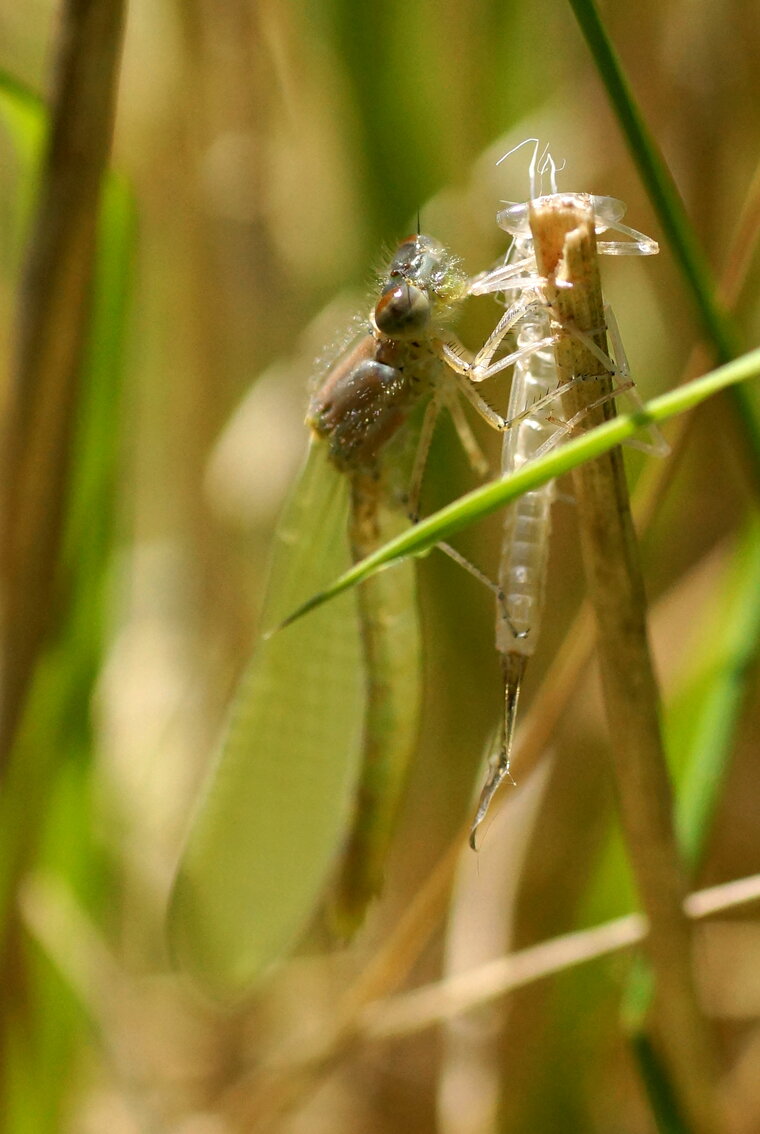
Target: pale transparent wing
(276, 807)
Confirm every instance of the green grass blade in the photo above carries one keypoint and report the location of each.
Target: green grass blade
(667, 203)
(24, 116)
(665, 1112)
(45, 812)
(702, 726)
(722, 690)
(483, 501)
(58, 721)
(269, 826)
(658, 181)
(704, 723)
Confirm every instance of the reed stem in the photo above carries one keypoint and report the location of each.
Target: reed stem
(565, 244)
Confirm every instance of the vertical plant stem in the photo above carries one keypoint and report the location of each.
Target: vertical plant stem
(717, 322)
(565, 241)
(39, 422)
(51, 325)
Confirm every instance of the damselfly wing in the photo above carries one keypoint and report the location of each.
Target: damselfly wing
(279, 796)
(325, 721)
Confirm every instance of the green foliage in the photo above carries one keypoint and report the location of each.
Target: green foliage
(46, 815)
(481, 502)
(273, 150)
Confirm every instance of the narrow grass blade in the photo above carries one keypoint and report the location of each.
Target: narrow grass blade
(45, 815)
(665, 198)
(705, 722)
(667, 203)
(483, 501)
(50, 334)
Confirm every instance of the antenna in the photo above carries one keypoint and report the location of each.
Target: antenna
(539, 165)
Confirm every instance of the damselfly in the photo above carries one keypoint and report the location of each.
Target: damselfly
(325, 720)
(533, 409)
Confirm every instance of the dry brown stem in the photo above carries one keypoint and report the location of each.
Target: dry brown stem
(51, 327)
(565, 241)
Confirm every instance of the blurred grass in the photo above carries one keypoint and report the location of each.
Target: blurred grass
(46, 817)
(273, 150)
(710, 707)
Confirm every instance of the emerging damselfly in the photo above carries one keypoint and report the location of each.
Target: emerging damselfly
(535, 402)
(325, 720)
(309, 775)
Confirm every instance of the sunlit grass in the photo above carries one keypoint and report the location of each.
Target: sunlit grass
(271, 152)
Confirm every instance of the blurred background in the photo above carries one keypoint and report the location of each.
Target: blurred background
(272, 153)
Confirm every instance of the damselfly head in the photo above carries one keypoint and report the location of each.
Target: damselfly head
(421, 259)
(422, 279)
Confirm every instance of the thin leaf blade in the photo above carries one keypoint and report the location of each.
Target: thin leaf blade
(481, 502)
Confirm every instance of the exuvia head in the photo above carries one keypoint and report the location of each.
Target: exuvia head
(514, 218)
(421, 278)
(608, 212)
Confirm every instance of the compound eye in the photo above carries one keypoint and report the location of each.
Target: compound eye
(402, 311)
(404, 258)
